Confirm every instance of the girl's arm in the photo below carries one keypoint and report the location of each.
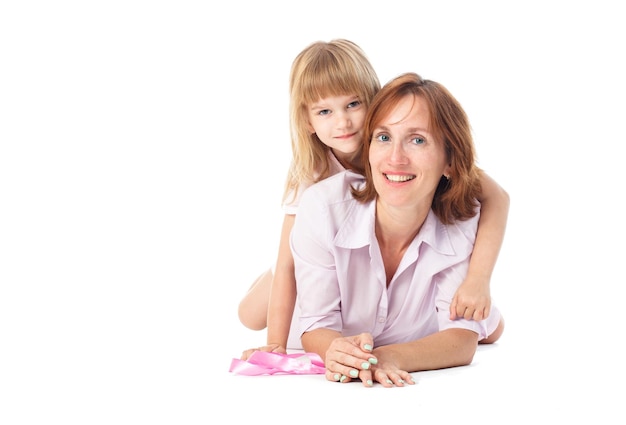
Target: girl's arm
(472, 299)
(283, 291)
(278, 291)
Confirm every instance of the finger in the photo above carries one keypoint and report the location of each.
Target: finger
(266, 348)
(246, 354)
(407, 378)
(333, 376)
(396, 378)
(366, 378)
(453, 314)
(368, 348)
(279, 350)
(478, 315)
(346, 371)
(487, 310)
(337, 377)
(469, 313)
(354, 357)
(366, 342)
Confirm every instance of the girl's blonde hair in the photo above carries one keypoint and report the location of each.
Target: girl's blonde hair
(455, 197)
(323, 69)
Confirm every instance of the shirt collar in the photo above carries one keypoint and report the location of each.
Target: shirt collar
(358, 230)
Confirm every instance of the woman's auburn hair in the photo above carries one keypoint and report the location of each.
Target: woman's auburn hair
(455, 198)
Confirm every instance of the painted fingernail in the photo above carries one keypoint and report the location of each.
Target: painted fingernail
(372, 360)
(365, 365)
(370, 383)
(354, 373)
(336, 377)
(389, 381)
(343, 378)
(367, 347)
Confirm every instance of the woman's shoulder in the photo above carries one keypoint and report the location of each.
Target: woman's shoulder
(337, 186)
(465, 229)
(332, 195)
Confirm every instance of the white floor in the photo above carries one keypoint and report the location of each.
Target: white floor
(521, 379)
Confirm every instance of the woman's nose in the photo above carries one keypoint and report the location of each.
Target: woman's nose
(397, 153)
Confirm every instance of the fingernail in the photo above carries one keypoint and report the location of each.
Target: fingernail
(354, 373)
(367, 347)
(370, 383)
(389, 381)
(343, 378)
(336, 377)
(365, 365)
(372, 360)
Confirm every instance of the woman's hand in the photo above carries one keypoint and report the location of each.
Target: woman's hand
(353, 357)
(271, 348)
(386, 372)
(349, 358)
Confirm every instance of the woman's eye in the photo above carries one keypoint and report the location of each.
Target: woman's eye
(418, 140)
(382, 138)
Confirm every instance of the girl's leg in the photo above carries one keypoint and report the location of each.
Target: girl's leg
(253, 307)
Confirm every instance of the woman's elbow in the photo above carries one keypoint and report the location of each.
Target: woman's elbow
(466, 356)
(466, 346)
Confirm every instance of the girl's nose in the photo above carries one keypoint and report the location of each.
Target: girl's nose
(343, 120)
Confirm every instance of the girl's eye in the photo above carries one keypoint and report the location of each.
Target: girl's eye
(354, 104)
(418, 140)
(382, 138)
(324, 112)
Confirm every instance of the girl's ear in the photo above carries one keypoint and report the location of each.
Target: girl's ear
(310, 127)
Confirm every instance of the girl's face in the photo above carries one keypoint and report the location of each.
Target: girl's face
(406, 160)
(338, 122)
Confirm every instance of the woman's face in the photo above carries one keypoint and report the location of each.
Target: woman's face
(406, 160)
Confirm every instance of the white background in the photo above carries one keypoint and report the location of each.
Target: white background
(143, 148)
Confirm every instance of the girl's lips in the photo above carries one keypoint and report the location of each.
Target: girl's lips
(346, 136)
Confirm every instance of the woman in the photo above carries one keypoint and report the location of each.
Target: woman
(331, 86)
(378, 258)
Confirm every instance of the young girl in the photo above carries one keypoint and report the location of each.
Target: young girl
(331, 86)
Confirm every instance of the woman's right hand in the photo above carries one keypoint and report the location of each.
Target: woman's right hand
(271, 348)
(350, 357)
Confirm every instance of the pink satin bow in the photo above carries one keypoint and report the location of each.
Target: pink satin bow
(266, 363)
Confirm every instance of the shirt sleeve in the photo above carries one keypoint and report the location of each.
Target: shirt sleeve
(314, 261)
(292, 200)
(447, 283)
(449, 280)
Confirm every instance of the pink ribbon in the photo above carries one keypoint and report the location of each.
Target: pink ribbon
(266, 363)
